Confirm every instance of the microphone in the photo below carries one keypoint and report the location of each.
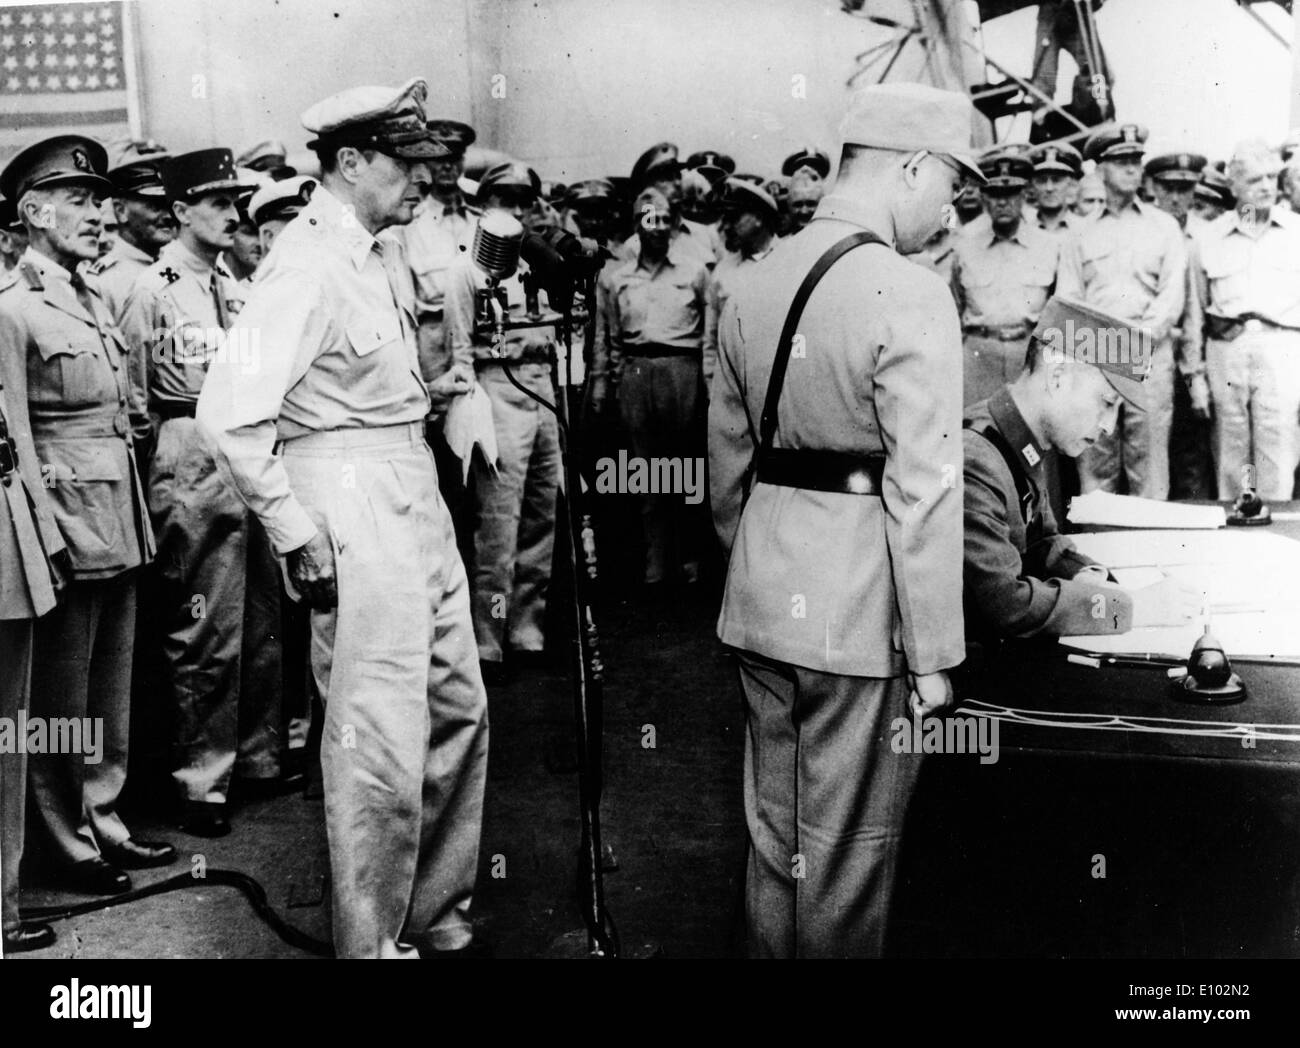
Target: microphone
(497, 241)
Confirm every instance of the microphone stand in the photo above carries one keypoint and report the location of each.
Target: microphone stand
(588, 670)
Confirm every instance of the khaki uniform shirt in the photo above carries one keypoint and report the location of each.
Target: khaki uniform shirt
(332, 318)
(435, 240)
(176, 318)
(726, 275)
(1002, 281)
(77, 391)
(1236, 273)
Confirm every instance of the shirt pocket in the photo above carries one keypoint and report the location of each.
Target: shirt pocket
(77, 367)
(89, 476)
(1097, 259)
(367, 334)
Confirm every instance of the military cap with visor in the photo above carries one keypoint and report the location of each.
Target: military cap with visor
(61, 160)
(1006, 172)
(1116, 143)
(810, 157)
(390, 120)
(188, 176)
(511, 176)
(135, 169)
(454, 136)
(661, 160)
(1083, 334)
(280, 199)
(591, 191)
(1176, 167)
(713, 166)
(1060, 157)
(738, 194)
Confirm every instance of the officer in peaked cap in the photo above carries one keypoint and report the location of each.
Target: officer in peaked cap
(1057, 166)
(1213, 195)
(144, 224)
(275, 204)
(883, 624)
(13, 236)
(660, 167)
(56, 325)
(268, 156)
(439, 234)
(592, 206)
(223, 667)
(1130, 259)
(713, 166)
(660, 161)
(1003, 271)
(405, 737)
(749, 226)
(809, 157)
(1173, 179)
(1022, 577)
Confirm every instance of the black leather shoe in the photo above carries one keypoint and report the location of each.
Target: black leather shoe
(206, 820)
(96, 877)
(139, 855)
(29, 937)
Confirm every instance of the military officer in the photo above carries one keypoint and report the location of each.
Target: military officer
(1003, 272)
(843, 592)
(30, 548)
(1091, 196)
(749, 217)
(268, 157)
(515, 535)
(810, 159)
(1213, 195)
(1174, 178)
(440, 235)
(659, 168)
(275, 204)
(1022, 577)
(13, 237)
(1130, 261)
(592, 210)
(219, 596)
(806, 192)
(1057, 167)
(715, 167)
(325, 442)
(245, 253)
(648, 354)
(77, 389)
(1246, 271)
(145, 224)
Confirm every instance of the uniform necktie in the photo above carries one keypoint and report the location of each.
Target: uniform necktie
(223, 317)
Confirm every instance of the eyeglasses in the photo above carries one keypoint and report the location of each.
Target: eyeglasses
(950, 164)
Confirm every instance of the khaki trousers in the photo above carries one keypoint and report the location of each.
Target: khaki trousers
(1139, 447)
(404, 744)
(81, 667)
(825, 800)
(220, 604)
(15, 687)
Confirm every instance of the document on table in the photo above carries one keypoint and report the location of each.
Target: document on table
(1250, 579)
(1102, 509)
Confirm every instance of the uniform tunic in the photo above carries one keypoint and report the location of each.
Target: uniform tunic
(76, 389)
(224, 664)
(338, 391)
(831, 597)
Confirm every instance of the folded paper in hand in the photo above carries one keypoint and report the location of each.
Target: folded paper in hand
(468, 424)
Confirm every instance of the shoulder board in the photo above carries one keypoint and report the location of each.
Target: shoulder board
(101, 264)
(30, 275)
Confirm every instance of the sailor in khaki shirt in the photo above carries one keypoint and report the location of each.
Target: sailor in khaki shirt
(324, 440)
(223, 665)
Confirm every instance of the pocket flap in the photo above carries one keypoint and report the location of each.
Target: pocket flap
(83, 463)
(368, 334)
(66, 345)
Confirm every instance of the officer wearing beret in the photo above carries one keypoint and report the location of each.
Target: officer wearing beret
(659, 168)
(1244, 268)
(749, 218)
(30, 544)
(515, 535)
(1173, 178)
(1022, 577)
(325, 442)
(76, 388)
(439, 236)
(144, 221)
(223, 665)
(1004, 270)
(1130, 261)
(648, 355)
(843, 593)
(1057, 168)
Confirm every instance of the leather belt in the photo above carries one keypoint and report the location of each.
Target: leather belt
(656, 349)
(170, 409)
(815, 469)
(1001, 332)
(1226, 329)
(71, 427)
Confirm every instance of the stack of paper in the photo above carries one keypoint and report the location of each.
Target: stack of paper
(469, 425)
(1100, 508)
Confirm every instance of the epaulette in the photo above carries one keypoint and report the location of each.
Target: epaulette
(101, 264)
(30, 275)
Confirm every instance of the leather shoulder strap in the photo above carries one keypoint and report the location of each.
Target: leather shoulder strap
(767, 422)
(1024, 486)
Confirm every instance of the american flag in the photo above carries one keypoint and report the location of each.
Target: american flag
(64, 68)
